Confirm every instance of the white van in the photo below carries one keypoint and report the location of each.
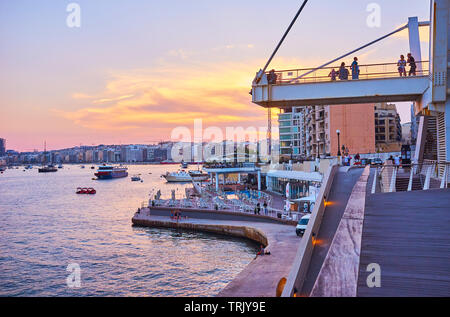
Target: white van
(302, 224)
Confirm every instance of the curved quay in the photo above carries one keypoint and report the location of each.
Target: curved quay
(261, 276)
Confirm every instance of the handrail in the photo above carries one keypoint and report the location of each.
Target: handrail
(366, 71)
(331, 67)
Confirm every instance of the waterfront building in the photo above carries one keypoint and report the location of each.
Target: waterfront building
(388, 129)
(292, 134)
(310, 131)
(2, 147)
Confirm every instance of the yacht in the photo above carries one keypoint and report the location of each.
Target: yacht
(49, 168)
(180, 176)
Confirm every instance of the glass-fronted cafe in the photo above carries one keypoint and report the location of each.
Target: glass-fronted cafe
(300, 183)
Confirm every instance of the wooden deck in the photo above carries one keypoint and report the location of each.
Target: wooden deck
(407, 234)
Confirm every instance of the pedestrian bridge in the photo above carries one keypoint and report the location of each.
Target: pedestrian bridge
(375, 83)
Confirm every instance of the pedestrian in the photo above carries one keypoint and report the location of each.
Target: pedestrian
(402, 66)
(355, 68)
(332, 74)
(258, 208)
(343, 72)
(272, 77)
(412, 64)
(265, 207)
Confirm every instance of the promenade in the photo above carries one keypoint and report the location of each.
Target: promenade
(261, 276)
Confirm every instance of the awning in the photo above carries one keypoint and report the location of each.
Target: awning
(296, 175)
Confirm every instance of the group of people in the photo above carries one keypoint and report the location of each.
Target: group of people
(343, 72)
(257, 210)
(402, 65)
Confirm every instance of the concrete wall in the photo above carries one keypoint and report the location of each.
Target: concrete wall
(237, 231)
(300, 267)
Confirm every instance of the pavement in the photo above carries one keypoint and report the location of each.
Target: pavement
(343, 183)
(261, 276)
(406, 234)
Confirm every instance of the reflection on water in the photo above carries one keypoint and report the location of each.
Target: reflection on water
(45, 226)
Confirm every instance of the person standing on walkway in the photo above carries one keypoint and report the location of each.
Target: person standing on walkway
(343, 72)
(265, 207)
(355, 68)
(412, 63)
(402, 66)
(332, 74)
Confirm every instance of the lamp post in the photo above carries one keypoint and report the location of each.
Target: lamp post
(339, 143)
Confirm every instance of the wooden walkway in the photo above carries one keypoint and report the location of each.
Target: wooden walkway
(407, 234)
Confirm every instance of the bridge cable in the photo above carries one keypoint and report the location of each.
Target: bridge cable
(355, 50)
(281, 41)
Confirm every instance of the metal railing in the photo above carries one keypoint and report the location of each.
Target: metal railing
(425, 175)
(366, 71)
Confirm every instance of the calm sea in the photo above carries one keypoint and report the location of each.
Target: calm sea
(45, 227)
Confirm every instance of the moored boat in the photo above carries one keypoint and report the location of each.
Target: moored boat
(198, 176)
(108, 172)
(180, 176)
(135, 178)
(47, 169)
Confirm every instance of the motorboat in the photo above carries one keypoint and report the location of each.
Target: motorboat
(135, 178)
(108, 172)
(180, 176)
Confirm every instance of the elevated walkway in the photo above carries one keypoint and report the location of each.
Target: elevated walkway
(341, 92)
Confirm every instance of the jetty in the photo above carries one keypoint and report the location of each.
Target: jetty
(262, 275)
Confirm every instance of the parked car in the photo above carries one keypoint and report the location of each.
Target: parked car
(376, 162)
(302, 224)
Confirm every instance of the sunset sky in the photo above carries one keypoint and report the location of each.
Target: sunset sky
(136, 69)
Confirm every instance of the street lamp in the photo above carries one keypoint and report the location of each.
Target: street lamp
(339, 143)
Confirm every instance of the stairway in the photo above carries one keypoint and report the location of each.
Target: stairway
(401, 183)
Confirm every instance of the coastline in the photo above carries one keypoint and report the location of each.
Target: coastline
(261, 276)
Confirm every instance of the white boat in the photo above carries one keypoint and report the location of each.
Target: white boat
(180, 176)
(199, 176)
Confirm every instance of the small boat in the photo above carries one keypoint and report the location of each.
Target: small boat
(2, 169)
(87, 191)
(135, 178)
(28, 167)
(184, 164)
(60, 166)
(47, 169)
(82, 166)
(92, 167)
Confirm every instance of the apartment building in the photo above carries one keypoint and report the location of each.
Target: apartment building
(388, 129)
(310, 132)
(292, 132)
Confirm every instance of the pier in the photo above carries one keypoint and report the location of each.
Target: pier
(261, 276)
